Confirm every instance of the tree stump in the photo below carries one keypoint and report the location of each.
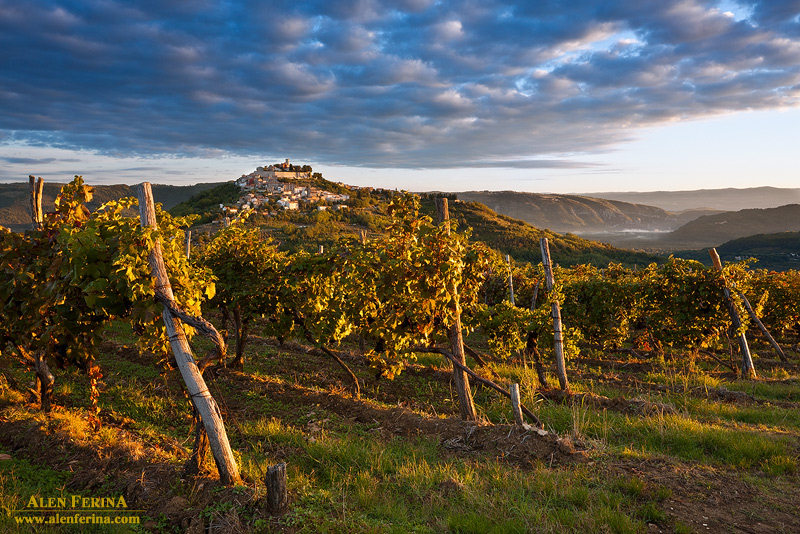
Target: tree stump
(277, 491)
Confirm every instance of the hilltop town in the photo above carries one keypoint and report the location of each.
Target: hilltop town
(284, 186)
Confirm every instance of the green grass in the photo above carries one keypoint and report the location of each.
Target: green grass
(676, 435)
(762, 417)
(21, 481)
(346, 476)
(774, 391)
(403, 486)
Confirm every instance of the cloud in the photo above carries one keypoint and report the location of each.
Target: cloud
(526, 164)
(377, 83)
(28, 161)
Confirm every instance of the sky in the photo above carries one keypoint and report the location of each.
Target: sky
(543, 96)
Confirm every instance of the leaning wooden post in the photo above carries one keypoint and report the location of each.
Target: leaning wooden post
(465, 402)
(558, 338)
(748, 369)
(751, 312)
(510, 280)
(36, 201)
(515, 404)
(198, 391)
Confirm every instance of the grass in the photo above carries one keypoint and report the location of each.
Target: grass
(409, 487)
(770, 391)
(21, 481)
(348, 475)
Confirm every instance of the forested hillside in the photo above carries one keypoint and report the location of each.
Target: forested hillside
(367, 212)
(713, 230)
(206, 203)
(15, 204)
(573, 213)
(776, 252)
(521, 240)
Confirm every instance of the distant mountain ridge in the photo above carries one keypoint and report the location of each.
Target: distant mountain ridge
(647, 227)
(15, 198)
(713, 230)
(730, 199)
(577, 213)
(777, 252)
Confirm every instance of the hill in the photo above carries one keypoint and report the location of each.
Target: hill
(14, 198)
(310, 229)
(729, 199)
(774, 252)
(573, 213)
(206, 203)
(711, 230)
(521, 240)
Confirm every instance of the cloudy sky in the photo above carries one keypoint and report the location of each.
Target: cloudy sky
(570, 96)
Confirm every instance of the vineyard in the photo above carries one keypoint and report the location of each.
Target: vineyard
(408, 380)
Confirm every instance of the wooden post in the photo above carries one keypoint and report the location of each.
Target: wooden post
(515, 404)
(465, 402)
(36, 201)
(556, 314)
(748, 369)
(443, 212)
(535, 294)
(188, 243)
(277, 491)
(510, 280)
(195, 384)
(761, 327)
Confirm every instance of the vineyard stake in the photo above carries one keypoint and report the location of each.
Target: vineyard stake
(188, 243)
(748, 369)
(510, 280)
(36, 201)
(751, 312)
(558, 338)
(465, 402)
(195, 384)
(515, 408)
(535, 294)
(478, 378)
